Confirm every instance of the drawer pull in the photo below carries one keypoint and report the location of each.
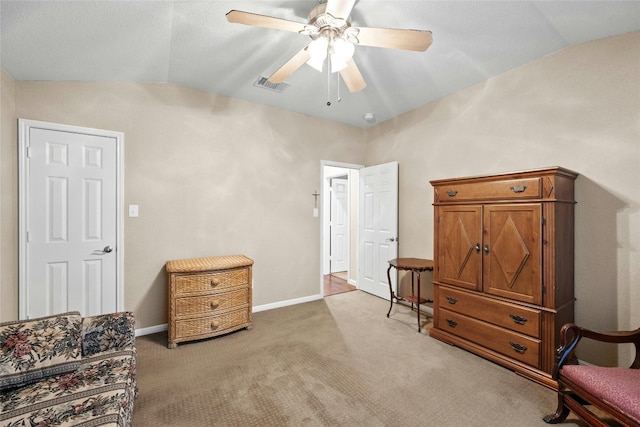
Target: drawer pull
(518, 348)
(214, 304)
(215, 324)
(215, 282)
(518, 188)
(451, 300)
(451, 323)
(451, 193)
(518, 319)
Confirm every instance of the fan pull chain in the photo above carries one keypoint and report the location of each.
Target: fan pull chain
(338, 99)
(329, 75)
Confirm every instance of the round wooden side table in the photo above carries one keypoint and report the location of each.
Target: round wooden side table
(415, 266)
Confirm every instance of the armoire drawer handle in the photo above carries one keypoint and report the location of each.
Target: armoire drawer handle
(214, 304)
(451, 300)
(215, 324)
(518, 348)
(518, 319)
(518, 188)
(451, 323)
(215, 282)
(451, 193)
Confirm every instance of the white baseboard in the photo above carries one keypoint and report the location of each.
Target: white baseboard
(286, 303)
(255, 309)
(151, 330)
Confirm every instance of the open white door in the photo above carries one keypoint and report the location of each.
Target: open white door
(339, 225)
(378, 227)
(70, 252)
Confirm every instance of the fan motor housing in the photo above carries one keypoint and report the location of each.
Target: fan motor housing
(320, 19)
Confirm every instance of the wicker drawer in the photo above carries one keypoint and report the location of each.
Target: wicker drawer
(212, 325)
(525, 188)
(511, 316)
(211, 304)
(516, 346)
(194, 283)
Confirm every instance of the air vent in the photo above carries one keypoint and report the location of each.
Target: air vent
(266, 84)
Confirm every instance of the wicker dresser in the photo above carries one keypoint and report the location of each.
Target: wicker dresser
(208, 297)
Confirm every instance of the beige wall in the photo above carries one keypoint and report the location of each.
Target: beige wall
(578, 109)
(8, 200)
(211, 176)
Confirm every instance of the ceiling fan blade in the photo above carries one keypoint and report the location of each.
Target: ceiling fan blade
(352, 77)
(416, 40)
(340, 8)
(290, 66)
(248, 18)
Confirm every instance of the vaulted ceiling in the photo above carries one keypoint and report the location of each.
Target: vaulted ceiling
(190, 43)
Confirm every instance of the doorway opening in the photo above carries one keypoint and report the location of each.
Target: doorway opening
(338, 217)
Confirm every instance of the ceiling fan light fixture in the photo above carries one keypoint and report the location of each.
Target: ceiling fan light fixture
(318, 51)
(337, 64)
(342, 50)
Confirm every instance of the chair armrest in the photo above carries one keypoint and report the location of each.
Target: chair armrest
(571, 334)
(108, 331)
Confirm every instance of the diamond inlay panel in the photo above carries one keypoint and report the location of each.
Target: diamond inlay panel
(511, 251)
(459, 247)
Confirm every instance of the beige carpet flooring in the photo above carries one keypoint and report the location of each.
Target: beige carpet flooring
(332, 362)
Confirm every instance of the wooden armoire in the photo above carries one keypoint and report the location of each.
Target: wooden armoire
(503, 266)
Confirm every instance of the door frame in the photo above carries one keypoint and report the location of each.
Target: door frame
(24, 127)
(324, 205)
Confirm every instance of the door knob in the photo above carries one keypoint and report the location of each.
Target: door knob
(107, 249)
(391, 239)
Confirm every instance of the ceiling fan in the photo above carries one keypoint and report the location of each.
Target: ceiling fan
(334, 40)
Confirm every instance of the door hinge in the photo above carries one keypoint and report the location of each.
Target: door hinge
(544, 221)
(28, 236)
(28, 151)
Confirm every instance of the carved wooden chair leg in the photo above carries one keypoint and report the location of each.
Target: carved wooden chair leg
(562, 412)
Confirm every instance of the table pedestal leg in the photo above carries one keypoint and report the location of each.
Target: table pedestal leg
(418, 301)
(390, 290)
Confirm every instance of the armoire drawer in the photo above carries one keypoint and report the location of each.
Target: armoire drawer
(511, 316)
(523, 188)
(193, 283)
(203, 326)
(514, 345)
(212, 303)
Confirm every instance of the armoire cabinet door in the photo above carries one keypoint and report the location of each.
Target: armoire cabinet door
(459, 253)
(512, 251)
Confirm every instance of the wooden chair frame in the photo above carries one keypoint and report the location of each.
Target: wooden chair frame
(572, 397)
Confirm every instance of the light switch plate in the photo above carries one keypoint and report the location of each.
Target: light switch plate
(133, 211)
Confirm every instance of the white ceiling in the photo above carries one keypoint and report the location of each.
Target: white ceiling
(190, 43)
